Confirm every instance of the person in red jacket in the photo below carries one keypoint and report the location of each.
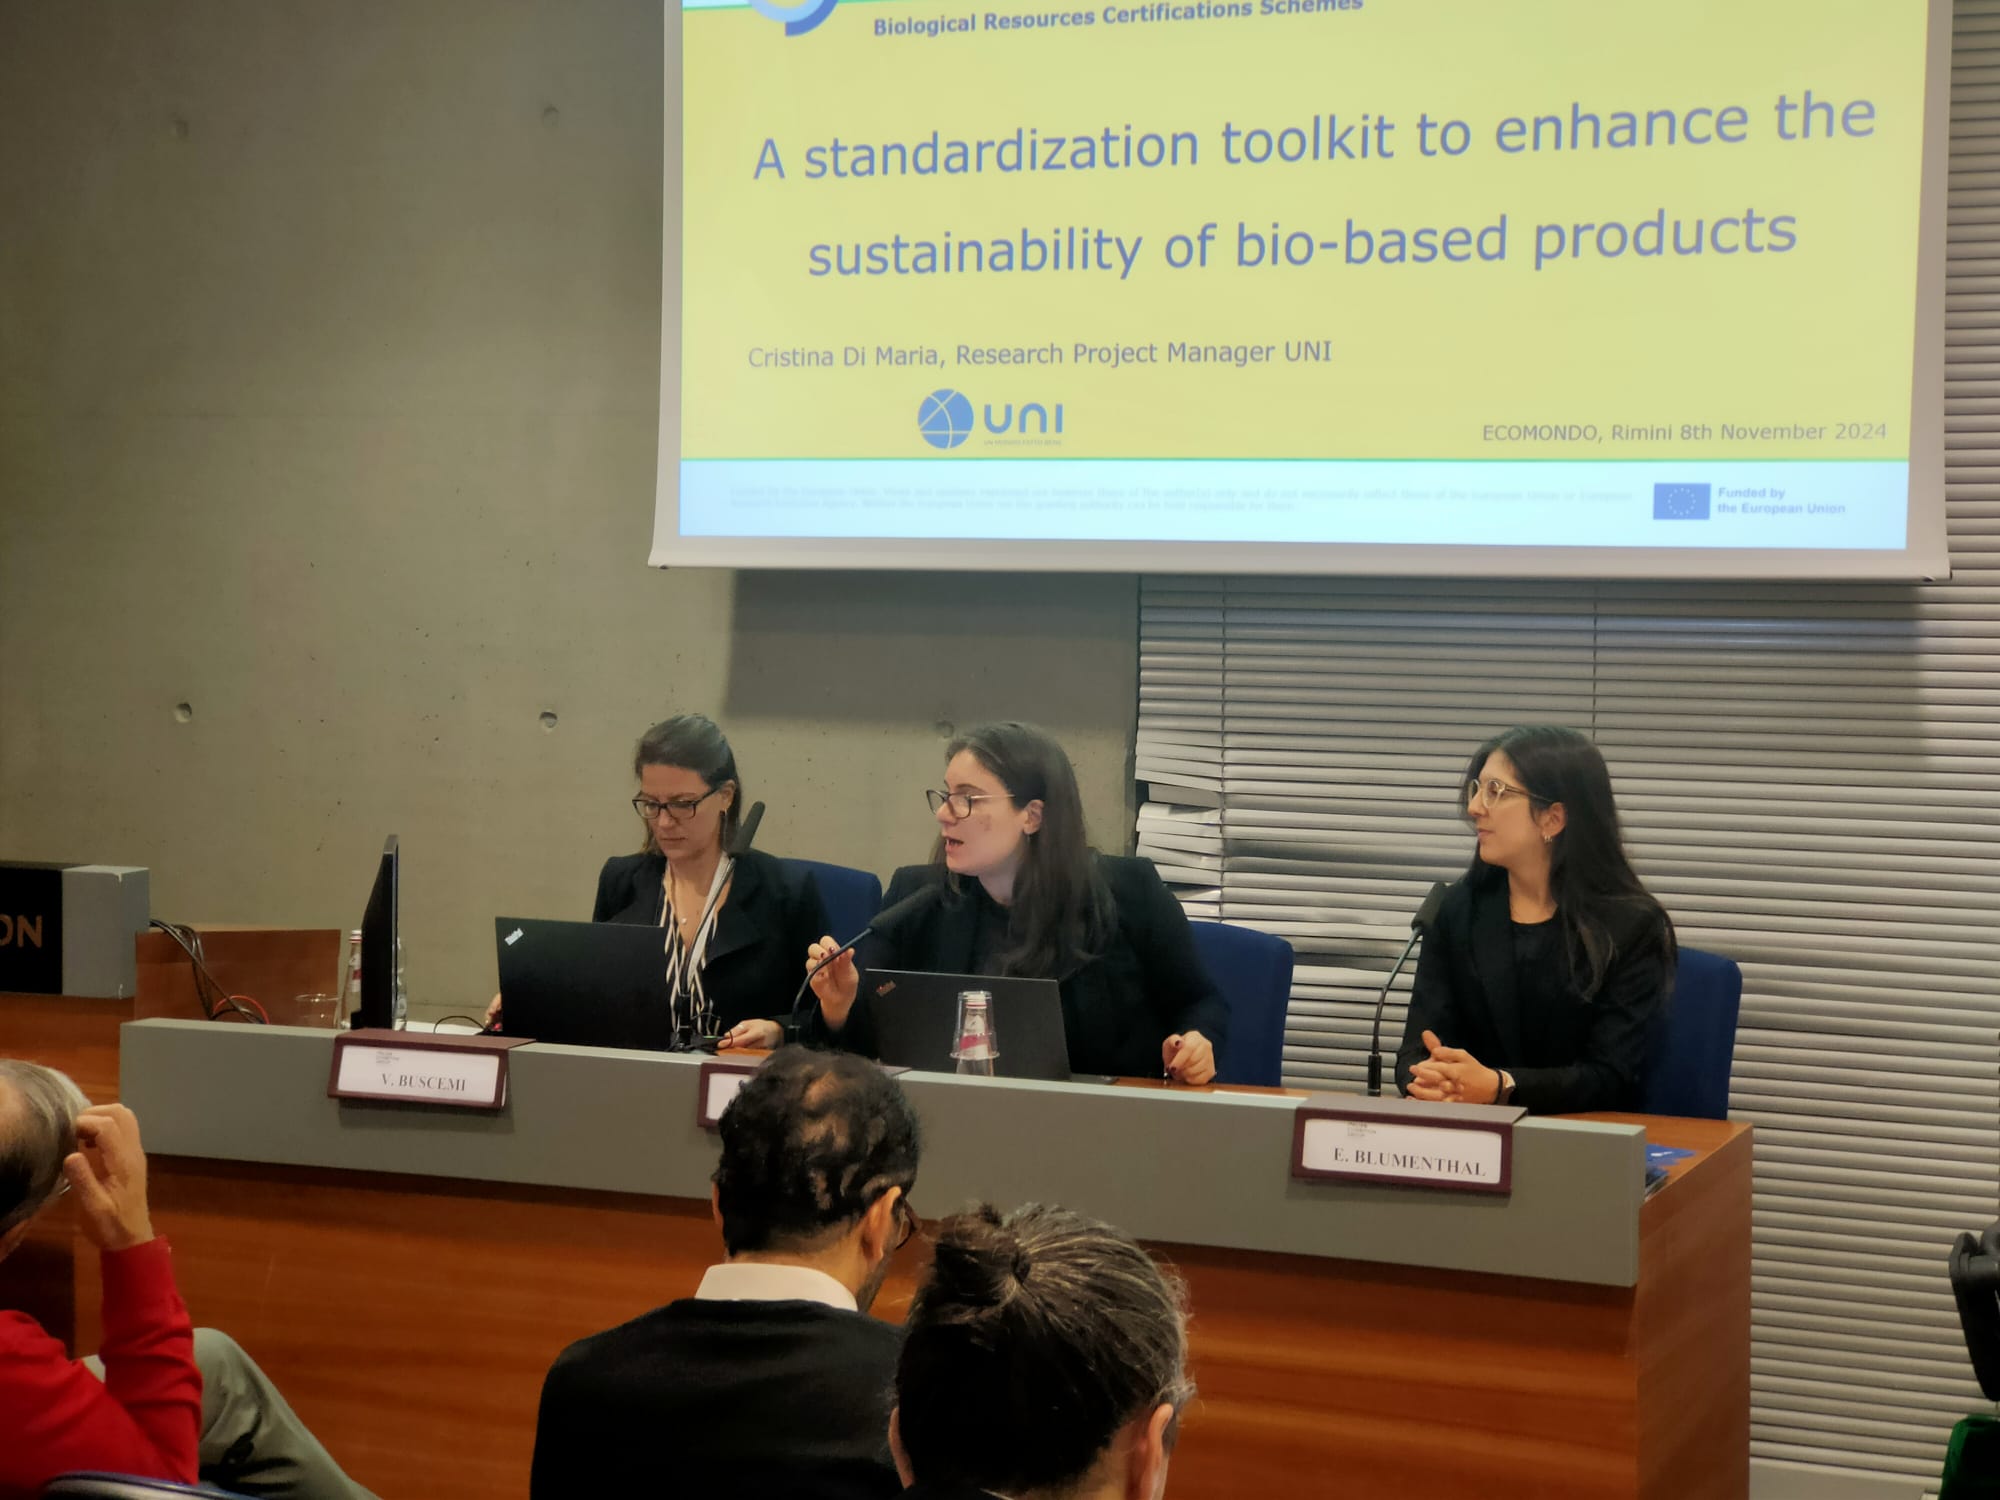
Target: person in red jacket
(162, 1399)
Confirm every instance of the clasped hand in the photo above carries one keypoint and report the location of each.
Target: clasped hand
(1453, 1076)
(1188, 1057)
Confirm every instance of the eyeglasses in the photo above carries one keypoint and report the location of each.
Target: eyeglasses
(679, 811)
(960, 803)
(911, 1224)
(1494, 789)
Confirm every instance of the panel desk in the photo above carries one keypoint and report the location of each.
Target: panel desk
(407, 1274)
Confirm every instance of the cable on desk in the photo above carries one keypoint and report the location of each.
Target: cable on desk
(208, 991)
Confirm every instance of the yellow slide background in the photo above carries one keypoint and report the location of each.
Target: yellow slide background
(1423, 356)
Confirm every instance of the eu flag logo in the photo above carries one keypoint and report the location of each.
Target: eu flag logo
(1680, 502)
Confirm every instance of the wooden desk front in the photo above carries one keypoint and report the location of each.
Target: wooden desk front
(411, 1318)
(410, 1321)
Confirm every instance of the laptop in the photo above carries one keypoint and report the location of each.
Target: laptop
(916, 1022)
(590, 984)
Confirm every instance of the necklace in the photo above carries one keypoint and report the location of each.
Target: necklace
(683, 923)
(673, 906)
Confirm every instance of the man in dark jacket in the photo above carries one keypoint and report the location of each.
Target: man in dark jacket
(771, 1380)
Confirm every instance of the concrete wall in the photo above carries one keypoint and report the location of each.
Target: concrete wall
(329, 343)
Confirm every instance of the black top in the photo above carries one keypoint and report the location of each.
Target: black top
(757, 952)
(1118, 1008)
(922, 1491)
(1503, 991)
(708, 1398)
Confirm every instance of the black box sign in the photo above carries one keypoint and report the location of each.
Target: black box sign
(31, 929)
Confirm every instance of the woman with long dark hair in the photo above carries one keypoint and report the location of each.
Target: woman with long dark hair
(1026, 895)
(1549, 962)
(730, 930)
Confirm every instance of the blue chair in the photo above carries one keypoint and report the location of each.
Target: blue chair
(1694, 1045)
(90, 1486)
(1254, 972)
(852, 896)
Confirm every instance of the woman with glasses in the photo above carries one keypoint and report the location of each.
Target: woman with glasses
(1549, 963)
(731, 926)
(1025, 895)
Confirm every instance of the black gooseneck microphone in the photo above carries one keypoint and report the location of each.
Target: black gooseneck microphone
(1419, 925)
(888, 917)
(747, 830)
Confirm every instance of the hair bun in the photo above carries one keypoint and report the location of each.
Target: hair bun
(978, 1261)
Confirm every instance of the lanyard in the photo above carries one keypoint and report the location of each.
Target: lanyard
(685, 961)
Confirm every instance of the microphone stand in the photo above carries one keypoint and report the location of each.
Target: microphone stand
(1419, 925)
(1381, 1003)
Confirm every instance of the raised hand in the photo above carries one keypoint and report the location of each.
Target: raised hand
(836, 985)
(107, 1172)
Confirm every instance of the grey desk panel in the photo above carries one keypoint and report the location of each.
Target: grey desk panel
(1192, 1169)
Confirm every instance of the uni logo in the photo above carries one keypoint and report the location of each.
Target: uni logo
(797, 19)
(945, 419)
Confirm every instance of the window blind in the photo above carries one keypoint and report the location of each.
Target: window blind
(1810, 780)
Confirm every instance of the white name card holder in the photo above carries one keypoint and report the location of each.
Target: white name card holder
(1406, 1143)
(721, 1078)
(416, 1067)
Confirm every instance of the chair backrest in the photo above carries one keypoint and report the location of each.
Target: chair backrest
(1694, 1045)
(1254, 972)
(852, 896)
(93, 1486)
(1975, 1282)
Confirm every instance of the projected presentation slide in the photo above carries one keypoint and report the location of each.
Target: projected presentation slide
(1320, 275)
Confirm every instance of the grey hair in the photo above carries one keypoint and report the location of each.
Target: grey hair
(38, 1110)
(1057, 1329)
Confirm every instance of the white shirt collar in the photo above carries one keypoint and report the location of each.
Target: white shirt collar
(755, 1281)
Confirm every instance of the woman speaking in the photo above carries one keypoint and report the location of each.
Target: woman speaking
(1025, 895)
(1549, 962)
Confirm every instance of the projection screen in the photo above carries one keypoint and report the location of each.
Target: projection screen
(1555, 288)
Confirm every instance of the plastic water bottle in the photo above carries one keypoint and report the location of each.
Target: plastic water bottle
(350, 990)
(402, 990)
(977, 1047)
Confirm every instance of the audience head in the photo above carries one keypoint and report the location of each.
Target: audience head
(819, 1153)
(690, 796)
(1045, 1355)
(38, 1110)
(1540, 799)
(1010, 814)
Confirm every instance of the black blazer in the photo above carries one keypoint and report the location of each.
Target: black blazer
(755, 1400)
(757, 952)
(1582, 1055)
(1117, 1009)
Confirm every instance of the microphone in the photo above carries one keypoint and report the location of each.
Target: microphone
(885, 919)
(1419, 925)
(747, 830)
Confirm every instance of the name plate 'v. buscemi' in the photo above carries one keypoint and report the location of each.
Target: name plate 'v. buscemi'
(415, 1067)
(1405, 1142)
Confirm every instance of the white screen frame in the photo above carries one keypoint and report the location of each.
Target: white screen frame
(1925, 556)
